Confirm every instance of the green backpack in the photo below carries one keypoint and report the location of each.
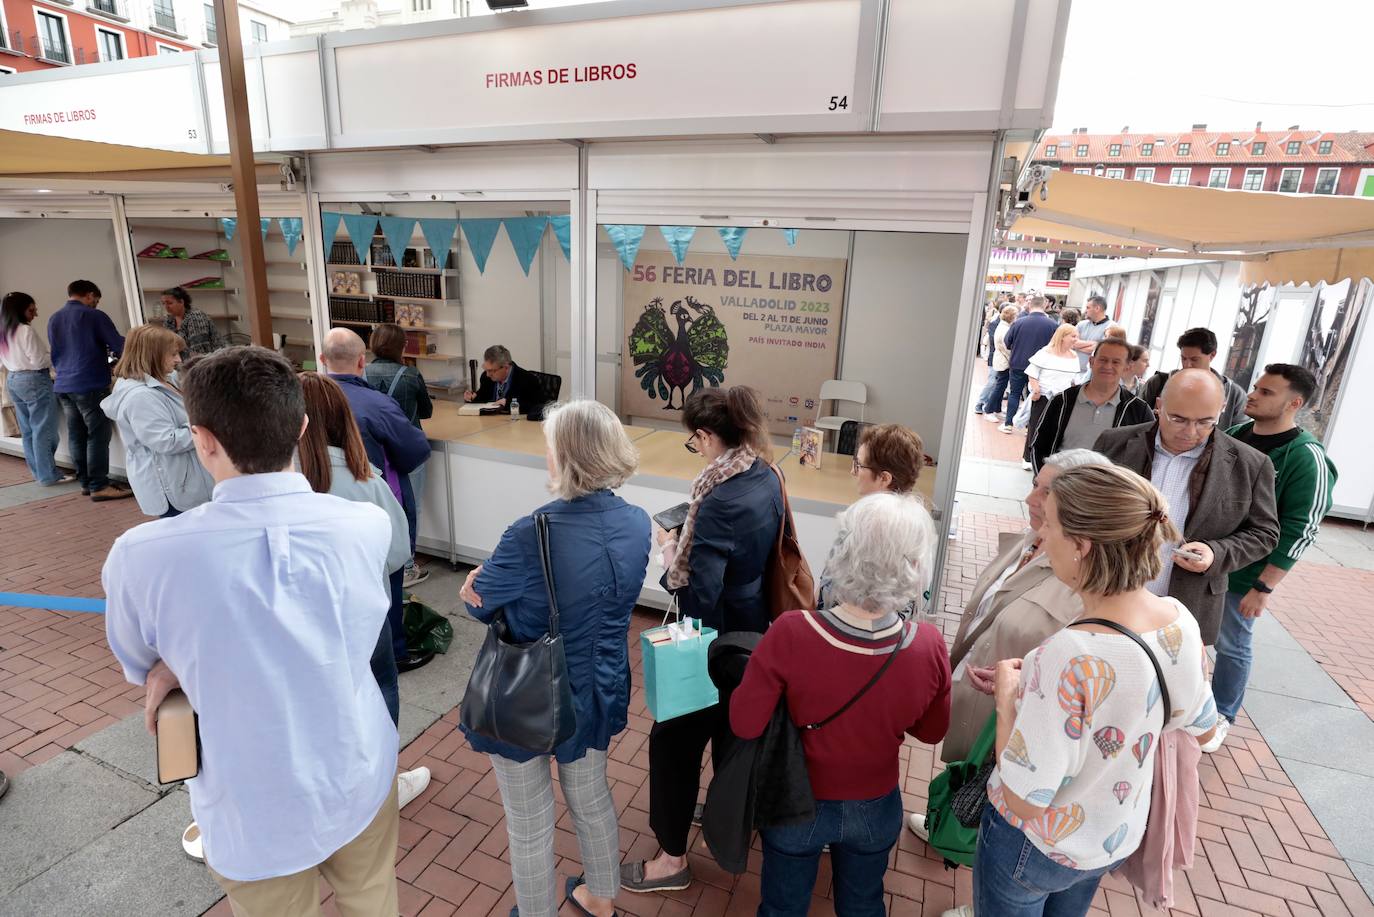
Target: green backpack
(956, 843)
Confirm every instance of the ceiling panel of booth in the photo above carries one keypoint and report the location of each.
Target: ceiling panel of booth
(733, 68)
(820, 210)
(527, 167)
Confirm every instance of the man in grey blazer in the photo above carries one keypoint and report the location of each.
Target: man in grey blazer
(1220, 493)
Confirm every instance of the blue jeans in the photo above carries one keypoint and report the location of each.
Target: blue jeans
(36, 408)
(994, 391)
(88, 437)
(1012, 878)
(861, 834)
(384, 670)
(395, 615)
(1234, 652)
(1018, 390)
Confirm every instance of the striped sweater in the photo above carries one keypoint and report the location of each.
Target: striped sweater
(1304, 480)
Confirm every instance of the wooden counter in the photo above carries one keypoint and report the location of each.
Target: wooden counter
(833, 482)
(447, 424)
(523, 437)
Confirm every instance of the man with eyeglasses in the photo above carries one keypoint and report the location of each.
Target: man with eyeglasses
(1220, 493)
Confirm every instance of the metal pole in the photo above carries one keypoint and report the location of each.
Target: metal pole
(243, 172)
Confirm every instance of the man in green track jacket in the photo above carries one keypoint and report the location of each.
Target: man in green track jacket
(1304, 478)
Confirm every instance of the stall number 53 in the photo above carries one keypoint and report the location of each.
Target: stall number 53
(838, 102)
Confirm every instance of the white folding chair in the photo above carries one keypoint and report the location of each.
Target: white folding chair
(838, 390)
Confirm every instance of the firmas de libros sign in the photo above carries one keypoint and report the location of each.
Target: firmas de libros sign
(562, 76)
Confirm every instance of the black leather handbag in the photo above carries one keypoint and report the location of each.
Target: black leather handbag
(518, 693)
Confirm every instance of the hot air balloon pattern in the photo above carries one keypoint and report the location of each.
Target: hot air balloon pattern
(674, 365)
(1141, 748)
(1208, 717)
(1115, 839)
(1058, 823)
(1015, 751)
(1034, 683)
(1109, 740)
(1121, 791)
(1171, 640)
(1068, 862)
(1041, 797)
(1084, 684)
(1153, 697)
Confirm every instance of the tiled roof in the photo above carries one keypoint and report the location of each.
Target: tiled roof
(1203, 147)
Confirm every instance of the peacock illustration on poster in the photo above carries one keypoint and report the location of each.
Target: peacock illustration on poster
(673, 364)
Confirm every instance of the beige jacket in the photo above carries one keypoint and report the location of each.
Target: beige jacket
(1031, 605)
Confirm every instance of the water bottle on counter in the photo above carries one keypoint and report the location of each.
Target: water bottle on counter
(515, 409)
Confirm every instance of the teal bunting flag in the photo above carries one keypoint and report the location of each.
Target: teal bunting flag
(525, 234)
(481, 234)
(398, 231)
(291, 230)
(266, 223)
(626, 239)
(733, 237)
(791, 236)
(678, 238)
(562, 231)
(330, 224)
(230, 225)
(438, 233)
(360, 227)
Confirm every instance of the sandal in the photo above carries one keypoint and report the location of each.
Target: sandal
(632, 879)
(570, 887)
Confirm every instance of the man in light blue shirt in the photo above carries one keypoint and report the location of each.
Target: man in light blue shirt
(267, 621)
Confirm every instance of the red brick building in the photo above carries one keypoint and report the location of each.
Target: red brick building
(1294, 161)
(43, 34)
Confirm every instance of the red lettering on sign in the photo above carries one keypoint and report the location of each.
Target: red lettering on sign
(553, 76)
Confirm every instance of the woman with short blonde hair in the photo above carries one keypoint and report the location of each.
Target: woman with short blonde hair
(159, 456)
(599, 550)
(1080, 719)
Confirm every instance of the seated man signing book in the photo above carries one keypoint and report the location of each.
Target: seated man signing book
(503, 381)
(267, 621)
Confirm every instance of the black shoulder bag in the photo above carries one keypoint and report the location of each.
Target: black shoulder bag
(519, 693)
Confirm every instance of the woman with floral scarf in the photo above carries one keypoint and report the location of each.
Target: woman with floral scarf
(715, 571)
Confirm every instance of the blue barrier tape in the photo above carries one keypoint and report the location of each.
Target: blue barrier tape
(53, 602)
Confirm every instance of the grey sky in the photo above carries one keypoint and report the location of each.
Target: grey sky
(1227, 63)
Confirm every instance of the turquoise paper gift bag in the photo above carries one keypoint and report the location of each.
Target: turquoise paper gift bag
(675, 677)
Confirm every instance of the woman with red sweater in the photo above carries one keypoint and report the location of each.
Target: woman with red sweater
(821, 660)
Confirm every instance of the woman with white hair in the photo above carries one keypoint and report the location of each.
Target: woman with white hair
(885, 677)
(599, 547)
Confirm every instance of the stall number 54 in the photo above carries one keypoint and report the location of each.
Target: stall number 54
(838, 102)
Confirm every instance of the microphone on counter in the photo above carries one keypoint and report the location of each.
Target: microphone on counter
(472, 374)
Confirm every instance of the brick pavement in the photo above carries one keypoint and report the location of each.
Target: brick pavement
(982, 439)
(1261, 850)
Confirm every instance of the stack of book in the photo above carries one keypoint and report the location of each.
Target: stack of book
(418, 342)
(421, 286)
(343, 253)
(362, 310)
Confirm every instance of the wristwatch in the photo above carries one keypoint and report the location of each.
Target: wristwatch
(1261, 586)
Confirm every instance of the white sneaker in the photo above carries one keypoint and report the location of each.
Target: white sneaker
(916, 823)
(414, 576)
(411, 785)
(994, 417)
(192, 843)
(1223, 727)
(1005, 428)
(1026, 466)
(963, 910)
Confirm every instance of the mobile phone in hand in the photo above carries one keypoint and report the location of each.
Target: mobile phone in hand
(1186, 555)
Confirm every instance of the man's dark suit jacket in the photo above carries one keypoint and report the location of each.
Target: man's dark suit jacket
(523, 386)
(1234, 514)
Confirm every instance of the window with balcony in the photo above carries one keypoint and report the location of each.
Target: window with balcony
(1114, 149)
(1254, 180)
(1219, 178)
(1180, 176)
(1144, 174)
(1324, 148)
(1326, 181)
(211, 32)
(52, 37)
(111, 44)
(108, 7)
(1081, 150)
(1147, 149)
(1116, 173)
(259, 30)
(4, 32)
(1223, 148)
(1290, 180)
(1184, 149)
(1293, 147)
(164, 15)
(1257, 148)
(1051, 150)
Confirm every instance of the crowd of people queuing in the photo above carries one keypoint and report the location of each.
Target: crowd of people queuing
(1154, 532)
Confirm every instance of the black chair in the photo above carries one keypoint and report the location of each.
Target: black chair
(848, 441)
(549, 385)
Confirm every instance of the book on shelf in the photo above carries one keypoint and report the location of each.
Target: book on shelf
(410, 315)
(422, 286)
(362, 310)
(419, 342)
(348, 282)
(343, 253)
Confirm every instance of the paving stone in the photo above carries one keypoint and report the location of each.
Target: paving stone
(57, 808)
(1300, 730)
(127, 746)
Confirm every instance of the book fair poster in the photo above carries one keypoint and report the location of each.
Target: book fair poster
(772, 323)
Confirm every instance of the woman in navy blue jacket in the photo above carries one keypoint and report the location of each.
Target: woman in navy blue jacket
(716, 570)
(599, 546)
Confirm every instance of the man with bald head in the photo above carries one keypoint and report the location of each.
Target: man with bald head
(393, 444)
(1220, 493)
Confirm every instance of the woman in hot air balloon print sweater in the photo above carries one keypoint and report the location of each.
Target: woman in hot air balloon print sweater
(1079, 719)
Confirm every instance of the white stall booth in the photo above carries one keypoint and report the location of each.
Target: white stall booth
(715, 157)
